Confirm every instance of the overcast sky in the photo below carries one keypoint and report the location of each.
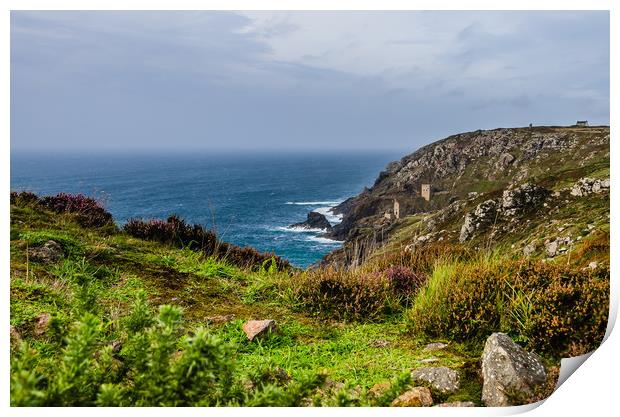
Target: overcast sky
(298, 80)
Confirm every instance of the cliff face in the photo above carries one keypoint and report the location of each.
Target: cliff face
(466, 167)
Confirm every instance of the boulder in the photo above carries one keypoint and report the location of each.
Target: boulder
(441, 378)
(314, 221)
(509, 373)
(50, 252)
(415, 397)
(258, 328)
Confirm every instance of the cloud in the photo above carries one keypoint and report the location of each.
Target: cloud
(244, 80)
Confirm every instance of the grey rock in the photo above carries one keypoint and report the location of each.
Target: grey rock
(435, 346)
(530, 248)
(551, 248)
(50, 252)
(509, 373)
(593, 265)
(441, 378)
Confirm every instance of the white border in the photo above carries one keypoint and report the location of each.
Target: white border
(591, 390)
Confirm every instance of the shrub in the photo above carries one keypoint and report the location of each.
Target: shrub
(87, 211)
(423, 258)
(549, 308)
(24, 198)
(404, 281)
(344, 294)
(175, 231)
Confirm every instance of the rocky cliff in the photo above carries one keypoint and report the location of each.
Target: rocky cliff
(510, 173)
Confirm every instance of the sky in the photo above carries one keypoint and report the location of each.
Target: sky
(299, 81)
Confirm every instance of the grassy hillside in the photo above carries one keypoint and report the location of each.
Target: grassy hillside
(100, 278)
(120, 320)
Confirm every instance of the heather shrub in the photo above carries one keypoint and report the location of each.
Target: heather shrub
(177, 232)
(344, 294)
(403, 280)
(173, 231)
(24, 198)
(548, 308)
(87, 211)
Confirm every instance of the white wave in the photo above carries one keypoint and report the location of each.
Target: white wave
(300, 229)
(324, 240)
(328, 212)
(314, 203)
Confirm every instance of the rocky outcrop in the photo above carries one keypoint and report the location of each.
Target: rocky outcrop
(258, 328)
(509, 373)
(440, 378)
(586, 186)
(515, 202)
(521, 199)
(483, 216)
(50, 252)
(314, 221)
(415, 397)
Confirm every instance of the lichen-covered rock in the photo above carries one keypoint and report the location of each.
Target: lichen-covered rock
(258, 328)
(521, 199)
(415, 397)
(481, 218)
(441, 378)
(50, 252)
(586, 186)
(509, 373)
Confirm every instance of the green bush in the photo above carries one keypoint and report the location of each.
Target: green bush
(548, 308)
(160, 364)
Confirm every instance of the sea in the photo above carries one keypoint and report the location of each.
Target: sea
(249, 198)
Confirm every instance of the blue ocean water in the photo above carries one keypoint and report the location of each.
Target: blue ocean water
(248, 198)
